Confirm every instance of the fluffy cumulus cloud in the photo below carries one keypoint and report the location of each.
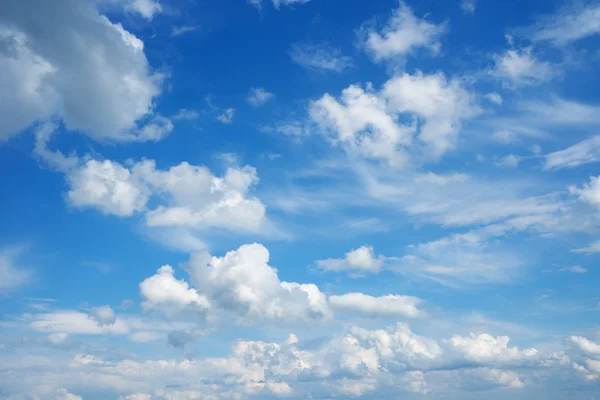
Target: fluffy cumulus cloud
(242, 282)
(65, 59)
(375, 124)
(189, 196)
(403, 33)
(168, 294)
(108, 187)
(357, 362)
(360, 260)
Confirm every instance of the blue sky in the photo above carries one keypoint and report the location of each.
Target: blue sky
(299, 199)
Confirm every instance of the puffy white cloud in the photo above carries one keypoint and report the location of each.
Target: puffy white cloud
(191, 195)
(369, 122)
(12, 276)
(520, 68)
(63, 394)
(244, 283)
(103, 315)
(442, 105)
(319, 57)
(488, 350)
(360, 260)
(107, 186)
(584, 152)
(259, 96)
(586, 346)
(65, 59)
(573, 22)
(201, 200)
(362, 122)
(387, 306)
(165, 293)
(403, 33)
(590, 192)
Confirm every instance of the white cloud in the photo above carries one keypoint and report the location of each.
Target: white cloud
(258, 97)
(76, 64)
(488, 350)
(103, 315)
(576, 269)
(468, 6)
(107, 186)
(509, 161)
(198, 199)
(520, 68)
(442, 104)
(74, 322)
(403, 33)
(586, 346)
(573, 22)
(369, 122)
(227, 116)
(387, 306)
(244, 283)
(63, 394)
(592, 248)
(191, 195)
(319, 57)
(461, 259)
(360, 260)
(163, 292)
(186, 114)
(590, 192)
(181, 30)
(494, 97)
(584, 152)
(12, 276)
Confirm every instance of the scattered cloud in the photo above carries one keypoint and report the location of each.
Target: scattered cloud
(403, 33)
(468, 6)
(258, 97)
(584, 152)
(516, 68)
(576, 269)
(12, 275)
(183, 29)
(571, 23)
(360, 260)
(227, 116)
(319, 57)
